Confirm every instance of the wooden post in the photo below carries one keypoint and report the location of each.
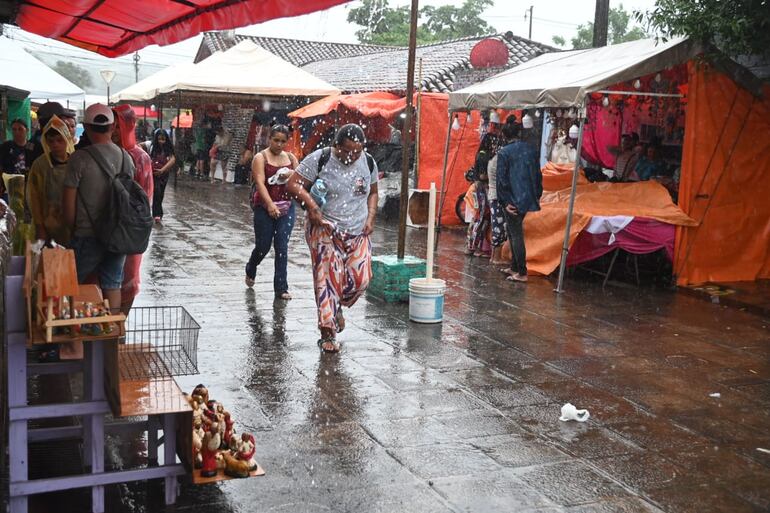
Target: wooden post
(601, 23)
(417, 125)
(407, 139)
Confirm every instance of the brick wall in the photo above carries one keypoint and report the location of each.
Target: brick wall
(236, 120)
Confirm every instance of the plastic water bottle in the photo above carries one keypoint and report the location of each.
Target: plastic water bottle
(318, 193)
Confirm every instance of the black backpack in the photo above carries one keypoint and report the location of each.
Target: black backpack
(126, 222)
(326, 154)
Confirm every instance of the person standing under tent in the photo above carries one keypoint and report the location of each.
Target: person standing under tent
(496, 214)
(163, 160)
(220, 154)
(338, 186)
(124, 135)
(519, 187)
(273, 209)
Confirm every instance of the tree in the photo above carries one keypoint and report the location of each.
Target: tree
(74, 73)
(619, 19)
(385, 25)
(559, 41)
(738, 27)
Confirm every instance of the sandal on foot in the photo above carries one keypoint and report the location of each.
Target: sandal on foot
(340, 321)
(329, 345)
(507, 271)
(249, 282)
(284, 295)
(517, 277)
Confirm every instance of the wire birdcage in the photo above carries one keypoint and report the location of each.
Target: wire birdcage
(160, 341)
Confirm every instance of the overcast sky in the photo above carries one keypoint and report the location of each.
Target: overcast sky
(551, 18)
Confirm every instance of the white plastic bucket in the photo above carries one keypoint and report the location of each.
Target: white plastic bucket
(426, 300)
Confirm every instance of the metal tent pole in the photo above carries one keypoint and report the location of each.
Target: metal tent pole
(177, 131)
(575, 171)
(443, 174)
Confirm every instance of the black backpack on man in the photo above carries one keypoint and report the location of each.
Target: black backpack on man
(126, 222)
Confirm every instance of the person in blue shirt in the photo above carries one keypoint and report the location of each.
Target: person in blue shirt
(650, 164)
(519, 187)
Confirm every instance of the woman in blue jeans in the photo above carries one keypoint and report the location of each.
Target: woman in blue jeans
(273, 209)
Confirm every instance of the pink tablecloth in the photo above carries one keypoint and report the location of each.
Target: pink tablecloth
(642, 235)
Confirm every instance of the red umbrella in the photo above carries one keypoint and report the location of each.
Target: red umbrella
(116, 27)
(183, 120)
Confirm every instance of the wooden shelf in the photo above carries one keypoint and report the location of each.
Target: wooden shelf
(37, 336)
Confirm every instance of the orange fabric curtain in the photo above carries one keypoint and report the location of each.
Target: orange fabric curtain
(725, 182)
(463, 143)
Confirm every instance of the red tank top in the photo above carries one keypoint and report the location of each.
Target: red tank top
(276, 192)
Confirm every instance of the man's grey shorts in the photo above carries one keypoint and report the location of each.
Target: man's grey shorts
(91, 257)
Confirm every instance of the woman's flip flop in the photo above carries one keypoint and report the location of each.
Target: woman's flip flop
(329, 345)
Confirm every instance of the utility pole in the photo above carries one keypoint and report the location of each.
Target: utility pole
(601, 23)
(531, 7)
(136, 66)
(406, 140)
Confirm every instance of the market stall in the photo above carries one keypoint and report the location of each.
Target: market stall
(581, 78)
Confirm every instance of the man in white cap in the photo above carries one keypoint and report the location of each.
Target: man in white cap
(86, 193)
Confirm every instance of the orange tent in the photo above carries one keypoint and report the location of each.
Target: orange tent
(374, 111)
(374, 104)
(725, 181)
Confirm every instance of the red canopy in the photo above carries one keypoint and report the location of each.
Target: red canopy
(370, 105)
(142, 112)
(116, 27)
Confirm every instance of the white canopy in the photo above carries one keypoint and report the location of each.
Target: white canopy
(148, 88)
(563, 79)
(248, 69)
(22, 71)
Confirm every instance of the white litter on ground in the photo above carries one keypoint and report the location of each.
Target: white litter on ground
(570, 412)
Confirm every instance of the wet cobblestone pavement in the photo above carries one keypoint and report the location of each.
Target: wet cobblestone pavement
(462, 416)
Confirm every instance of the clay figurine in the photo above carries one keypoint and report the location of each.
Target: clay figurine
(211, 442)
(197, 442)
(201, 393)
(229, 429)
(235, 467)
(234, 444)
(247, 449)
